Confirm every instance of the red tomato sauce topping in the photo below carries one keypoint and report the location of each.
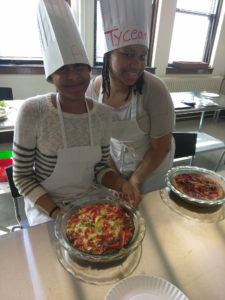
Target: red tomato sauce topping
(100, 228)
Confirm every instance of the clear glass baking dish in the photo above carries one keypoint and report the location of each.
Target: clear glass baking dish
(205, 172)
(99, 260)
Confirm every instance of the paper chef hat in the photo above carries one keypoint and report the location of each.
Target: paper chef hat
(60, 38)
(126, 22)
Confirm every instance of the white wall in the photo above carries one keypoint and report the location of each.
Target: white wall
(25, 86)
(218, 54)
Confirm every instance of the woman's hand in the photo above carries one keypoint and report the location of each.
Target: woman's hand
(55, 212)
(116, 183)
(135, 182)
(130, 193)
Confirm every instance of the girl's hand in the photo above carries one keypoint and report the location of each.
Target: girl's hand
(55, 213)
(135, 182)
(131, 193)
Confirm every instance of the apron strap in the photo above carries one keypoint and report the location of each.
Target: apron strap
(89, 124)
(133, 106)
(100, 97)
(62, 127)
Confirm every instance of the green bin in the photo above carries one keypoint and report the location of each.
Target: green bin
(5, 154)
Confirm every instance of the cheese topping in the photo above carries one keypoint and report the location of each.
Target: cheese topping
(100, 228)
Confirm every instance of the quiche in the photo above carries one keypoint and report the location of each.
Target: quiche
(198, 186)
(100, 228)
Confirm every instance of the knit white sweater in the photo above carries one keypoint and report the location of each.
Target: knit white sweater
(37, 138)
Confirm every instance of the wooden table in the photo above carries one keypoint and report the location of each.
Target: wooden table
(187, 251)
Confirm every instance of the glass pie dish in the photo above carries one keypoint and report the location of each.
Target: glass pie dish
(99, 261)
(191, 200)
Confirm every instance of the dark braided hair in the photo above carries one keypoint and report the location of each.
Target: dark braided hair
(106, 88)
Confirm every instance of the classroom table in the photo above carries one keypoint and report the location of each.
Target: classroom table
(199, 104)
(177, 97)
(183, 245)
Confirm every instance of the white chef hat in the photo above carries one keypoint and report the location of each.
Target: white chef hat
(126, 22)
(60, 38)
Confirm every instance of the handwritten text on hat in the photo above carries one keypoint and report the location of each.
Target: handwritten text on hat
(127, 35)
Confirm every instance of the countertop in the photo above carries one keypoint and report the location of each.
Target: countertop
(186, 249)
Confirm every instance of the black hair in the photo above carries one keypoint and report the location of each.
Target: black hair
(106, 88)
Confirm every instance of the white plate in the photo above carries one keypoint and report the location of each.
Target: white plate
(206, 94)
(144, 287)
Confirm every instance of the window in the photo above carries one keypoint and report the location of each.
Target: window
(19, 35)
(194, 30)
(19, 32)
(99, 41)
(99, 33)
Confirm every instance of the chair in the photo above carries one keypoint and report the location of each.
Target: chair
(191, 143)
(15, 195)
(6, 93)
(185, 145)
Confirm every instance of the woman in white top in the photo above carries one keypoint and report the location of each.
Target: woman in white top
(60, 144)
(142, 147)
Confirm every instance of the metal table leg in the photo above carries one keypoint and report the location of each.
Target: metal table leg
(201, 121)
(218, 164)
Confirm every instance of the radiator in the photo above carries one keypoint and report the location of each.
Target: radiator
(194, 83)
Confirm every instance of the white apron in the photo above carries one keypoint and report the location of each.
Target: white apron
(73, 174)
(128, 146)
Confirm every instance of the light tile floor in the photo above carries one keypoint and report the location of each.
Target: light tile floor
(208, 160)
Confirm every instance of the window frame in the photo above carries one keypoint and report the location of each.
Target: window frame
(98, 66)
(171, 69)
